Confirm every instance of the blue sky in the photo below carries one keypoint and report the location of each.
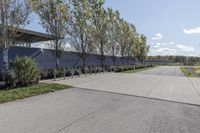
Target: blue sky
(171, 26)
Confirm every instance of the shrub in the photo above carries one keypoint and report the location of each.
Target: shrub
(10, 78)
(77, 72)
(112, 68)
(69, 72)
(85, 70)
(44, 74)
(130, 68)
(119, 69)
(125, 68)
(59, 72)
(25, 70)
(93, 70)
(100, 69)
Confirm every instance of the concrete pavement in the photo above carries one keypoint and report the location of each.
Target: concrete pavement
(164, 71)
(85, 111)
(152, 101)
(166, 83)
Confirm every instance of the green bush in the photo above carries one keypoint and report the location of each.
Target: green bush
(93, 70)
(77, 72)
(125, 68)
(85, 70)
(59, 72)
(119, 69)
(100, 69)
(25, 70)
(44, 74)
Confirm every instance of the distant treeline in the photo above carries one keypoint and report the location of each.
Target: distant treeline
(185, 60)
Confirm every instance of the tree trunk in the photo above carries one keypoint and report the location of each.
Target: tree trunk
(102, 61)
(113, 56)
(113, 60)
(134, 60)
(5, 63)
(122, 60)
(84, 59)
(102, 55)
(56, 51)
(57, 62)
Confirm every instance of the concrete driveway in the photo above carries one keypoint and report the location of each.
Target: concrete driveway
(85, 111)
(165, 82)
(111, 103)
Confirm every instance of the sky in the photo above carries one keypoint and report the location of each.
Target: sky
(172, 27)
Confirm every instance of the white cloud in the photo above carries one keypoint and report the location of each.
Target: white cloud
(165, 50)
(185, 48)
(156, 46)
(157, 36)
(164, 43)
(192, 31)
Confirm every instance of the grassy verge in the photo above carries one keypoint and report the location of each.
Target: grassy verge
(25, 92)
(187, 72)
(138, 70)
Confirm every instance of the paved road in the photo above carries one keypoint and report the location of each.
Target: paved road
(164, 71)
(145, 102)
(155, 83)
(85, 111)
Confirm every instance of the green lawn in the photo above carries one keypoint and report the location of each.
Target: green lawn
(187, 72)
(25, 92)
(138, 70)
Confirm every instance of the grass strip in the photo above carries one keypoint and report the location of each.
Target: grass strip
(25, 92)
(188, 73)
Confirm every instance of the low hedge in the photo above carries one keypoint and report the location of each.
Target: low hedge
(49, 74)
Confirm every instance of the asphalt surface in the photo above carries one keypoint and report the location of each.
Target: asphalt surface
(146, 102)
(85, 111)
(164, 71)
(166, 83)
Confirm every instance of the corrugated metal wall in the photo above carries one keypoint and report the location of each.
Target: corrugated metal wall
(46, 59)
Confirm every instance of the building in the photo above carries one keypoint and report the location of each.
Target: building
(44, 57)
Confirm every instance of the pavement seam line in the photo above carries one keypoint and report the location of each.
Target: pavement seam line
(194, 87)
(156, 84)
(81, 118)
(131, 95)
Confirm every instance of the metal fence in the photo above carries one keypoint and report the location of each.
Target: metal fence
(46, 60)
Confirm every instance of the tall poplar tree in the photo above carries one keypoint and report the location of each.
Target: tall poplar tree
(14, 14)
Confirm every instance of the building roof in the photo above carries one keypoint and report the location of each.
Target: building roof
(29, 36)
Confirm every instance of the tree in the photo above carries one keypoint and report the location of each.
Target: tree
(54, 17)
(100, 21)
(113, 46)
(142, 48)
(131, 39)
(25, 70)
(123, 31)
(81, 28)
(13, 15)
(135, 50)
